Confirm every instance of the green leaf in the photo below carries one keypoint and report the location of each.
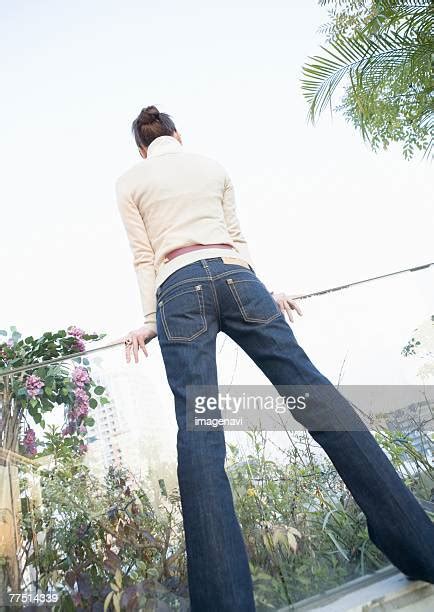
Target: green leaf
(99, 390)
(118, 578)
(93, 403)
(107, 601)
(383, 59)
(47, 404)
(116, 602)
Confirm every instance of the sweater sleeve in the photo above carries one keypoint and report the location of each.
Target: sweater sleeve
(232, 222)
(143, 254)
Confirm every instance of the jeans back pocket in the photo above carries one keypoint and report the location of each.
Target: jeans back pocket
(183, 314)
(255, 303)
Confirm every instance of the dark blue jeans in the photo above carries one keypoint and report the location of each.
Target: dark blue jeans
(193, 305)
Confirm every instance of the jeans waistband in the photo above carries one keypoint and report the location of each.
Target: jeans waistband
(200, 270)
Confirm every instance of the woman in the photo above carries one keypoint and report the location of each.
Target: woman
(196, 278)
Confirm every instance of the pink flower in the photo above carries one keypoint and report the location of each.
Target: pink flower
(80, 376)
(82, 449)
(81, 397)
(80, 345)
(72, 414)
(29, 436)
(82, 411)
(34, 385)
(10, 342)
(82, 429)
(75, 331)
(29, 442)
(71, 427)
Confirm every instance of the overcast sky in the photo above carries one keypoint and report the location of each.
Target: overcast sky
(316, 205)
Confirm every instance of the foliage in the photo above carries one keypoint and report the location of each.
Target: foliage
(382, 51)
(99, 542)
(421, 345)
(104, 545)
(30, 394)
(303, 530)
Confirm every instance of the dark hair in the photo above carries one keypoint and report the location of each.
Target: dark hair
(151, 124)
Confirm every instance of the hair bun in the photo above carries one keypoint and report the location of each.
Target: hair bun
(149, 115)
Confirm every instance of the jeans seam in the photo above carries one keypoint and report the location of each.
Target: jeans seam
(187, 280)
(208, 277)
(234, 272)
(163, 302)
(243, 312)
(214, 292)
(196, 334)
(213, 289)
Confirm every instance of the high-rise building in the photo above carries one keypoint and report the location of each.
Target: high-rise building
(131, 429)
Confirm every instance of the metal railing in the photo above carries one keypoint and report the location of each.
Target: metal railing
(303, 296)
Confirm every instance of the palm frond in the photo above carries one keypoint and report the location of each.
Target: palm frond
(381, 53)
(350, 56)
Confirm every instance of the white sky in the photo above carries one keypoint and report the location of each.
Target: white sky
(316, 205)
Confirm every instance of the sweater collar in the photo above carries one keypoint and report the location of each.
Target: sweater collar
(163, 145)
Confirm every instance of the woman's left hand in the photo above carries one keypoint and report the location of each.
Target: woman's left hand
(287, 303)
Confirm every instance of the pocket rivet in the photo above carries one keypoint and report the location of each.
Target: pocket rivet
(198, 287)
(230, 280)
(160, 303)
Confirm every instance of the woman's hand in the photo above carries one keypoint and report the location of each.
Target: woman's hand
(136, 339)
(287, 303)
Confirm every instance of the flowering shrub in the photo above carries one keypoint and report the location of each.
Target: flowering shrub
(29, 442)
(107, 542)
(34, 385)
(28, 395)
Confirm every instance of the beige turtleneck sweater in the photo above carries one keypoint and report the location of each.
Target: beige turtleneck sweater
(171, 199)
